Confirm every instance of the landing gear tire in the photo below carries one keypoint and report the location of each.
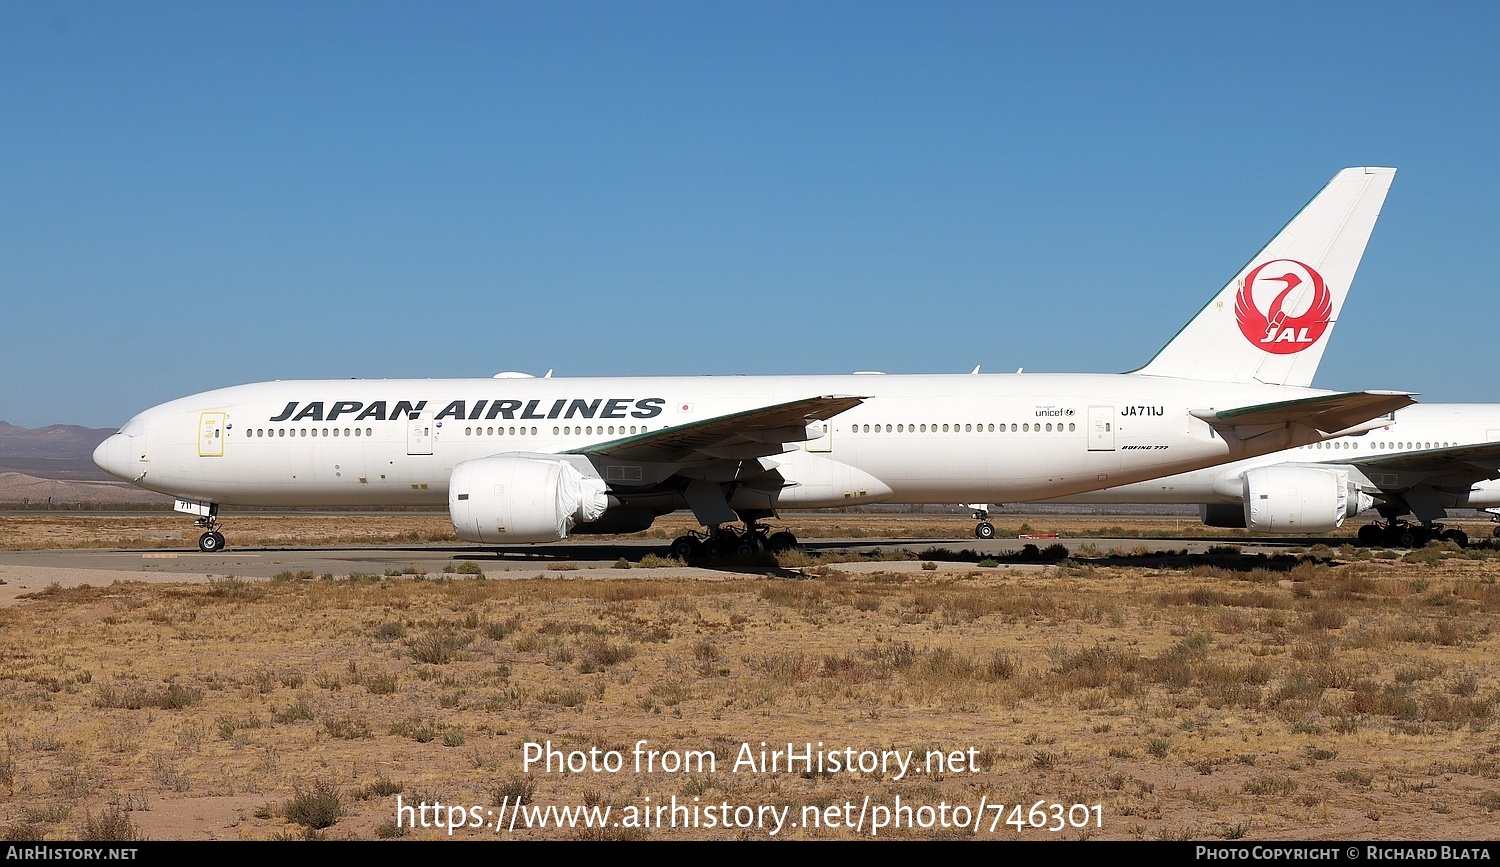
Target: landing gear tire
(985, 530)
(1370, 535)
(685, 548)
(747, 546)
(781, 542)
(1457, 537)
(1407, 539)
(1495, 532)
(210, 542)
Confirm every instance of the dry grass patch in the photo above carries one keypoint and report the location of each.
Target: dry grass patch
(1124, 687)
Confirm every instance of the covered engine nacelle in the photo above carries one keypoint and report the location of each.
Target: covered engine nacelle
(508, 499)
(1300, 499)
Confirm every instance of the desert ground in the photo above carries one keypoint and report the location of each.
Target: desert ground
(1129, 691)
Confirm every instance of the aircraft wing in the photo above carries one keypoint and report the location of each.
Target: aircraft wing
(737, 436)
(1424, 480)
(1482, 459)
(1329, 413)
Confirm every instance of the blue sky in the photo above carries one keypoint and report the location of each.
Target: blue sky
(195, 195)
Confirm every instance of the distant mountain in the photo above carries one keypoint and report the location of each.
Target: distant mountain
(24, 490)
(54, 465)
(60, 451)
(54, 440)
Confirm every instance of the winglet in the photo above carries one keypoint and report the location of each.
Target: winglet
(1272, 322)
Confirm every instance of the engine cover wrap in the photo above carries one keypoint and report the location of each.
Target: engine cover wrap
(1300, 499)
(505, 499)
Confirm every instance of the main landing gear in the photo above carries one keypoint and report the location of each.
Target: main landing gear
(724, 541)
(985, 530)
(1398, 533)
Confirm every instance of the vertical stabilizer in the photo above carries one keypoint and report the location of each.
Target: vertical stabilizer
(1272, 322)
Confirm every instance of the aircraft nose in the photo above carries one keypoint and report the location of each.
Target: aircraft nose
(113, 456)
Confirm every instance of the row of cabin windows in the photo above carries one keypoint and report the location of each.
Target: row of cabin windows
(261, 432)
(1346, 444)
(1024, 427)
(502, 431)
(568, 430)
(590, 430)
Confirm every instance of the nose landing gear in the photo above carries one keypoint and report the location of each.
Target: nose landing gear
(984, 530)
(208, 519)
(212, 540)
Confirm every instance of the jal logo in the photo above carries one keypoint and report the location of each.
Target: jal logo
(1284, 306)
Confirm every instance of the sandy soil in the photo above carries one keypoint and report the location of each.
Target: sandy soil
(1339, 697)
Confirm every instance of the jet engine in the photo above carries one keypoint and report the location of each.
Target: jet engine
(506, 499)
(1300, 499)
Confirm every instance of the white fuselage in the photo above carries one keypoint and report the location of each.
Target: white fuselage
(916, 439)
(1415, 428)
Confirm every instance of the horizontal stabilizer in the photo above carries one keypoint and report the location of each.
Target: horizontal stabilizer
(1327, 413)
(738, 436)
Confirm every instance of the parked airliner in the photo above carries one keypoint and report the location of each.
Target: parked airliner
(1425, 460)
(521, 459)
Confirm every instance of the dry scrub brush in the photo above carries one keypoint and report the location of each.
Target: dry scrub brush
(1207, 701)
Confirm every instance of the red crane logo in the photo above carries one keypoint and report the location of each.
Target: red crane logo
(1284, 306)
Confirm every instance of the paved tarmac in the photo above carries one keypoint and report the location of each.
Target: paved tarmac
(25, 571)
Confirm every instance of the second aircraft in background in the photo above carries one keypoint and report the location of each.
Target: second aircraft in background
(1426, 460)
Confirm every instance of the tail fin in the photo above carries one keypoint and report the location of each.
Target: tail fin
(1272, 322)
